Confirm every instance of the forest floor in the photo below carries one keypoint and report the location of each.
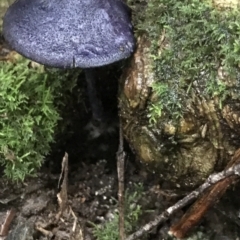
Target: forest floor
(92, 201)
(92, 195)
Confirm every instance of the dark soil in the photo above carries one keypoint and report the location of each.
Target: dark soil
(92, 189)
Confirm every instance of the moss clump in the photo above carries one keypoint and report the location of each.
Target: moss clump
(29, 103)
(191, 41)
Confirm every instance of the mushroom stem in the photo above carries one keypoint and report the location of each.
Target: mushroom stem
(95, 102)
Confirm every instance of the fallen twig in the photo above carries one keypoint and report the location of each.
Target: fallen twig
(212, 179)
(196, 212)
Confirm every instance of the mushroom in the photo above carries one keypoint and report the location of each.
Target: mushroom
(71, 33)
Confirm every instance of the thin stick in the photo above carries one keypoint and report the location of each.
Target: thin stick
(120, 169)
(212, 179)
(197, 211)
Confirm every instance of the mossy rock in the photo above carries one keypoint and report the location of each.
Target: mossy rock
(179, 98)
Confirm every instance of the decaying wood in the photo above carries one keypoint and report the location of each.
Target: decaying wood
(194, 215)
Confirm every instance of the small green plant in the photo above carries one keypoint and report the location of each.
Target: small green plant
(166, 101)
(133, 211)
(29, 100)
(217, 89)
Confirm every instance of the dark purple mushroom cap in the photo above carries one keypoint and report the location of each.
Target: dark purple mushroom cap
(68, 33)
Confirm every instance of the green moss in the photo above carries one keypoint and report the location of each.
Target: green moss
(190, 40)
(30, 99)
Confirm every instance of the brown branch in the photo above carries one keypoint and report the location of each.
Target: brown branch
(197, 211)
(212, 179)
